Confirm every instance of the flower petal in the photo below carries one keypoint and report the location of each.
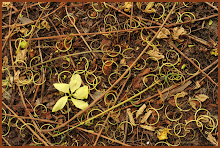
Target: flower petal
(82, 93)
(60, 104)
(75, 82)
(62, 87)
(79, 103)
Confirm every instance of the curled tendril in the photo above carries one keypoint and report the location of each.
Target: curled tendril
(175, 98)
(158, 116)
(7, 130)
(145, 64)
(97, 9)
(109, 78)
(172, 119)
(35, 115)
(186, 70)
(178, 59)
(119, 127)
(23, 135)
(43, 7)
(94, 82)
(163, 11)
(64, 23)
(115, 51)
(92, 46)
(113, 99)
(26, 35)
(92, 17)
(129, 50)
(62, 73)
(157, 63)
(110, 15)
(156, 108)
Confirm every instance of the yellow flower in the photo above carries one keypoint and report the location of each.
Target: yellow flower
(162, 134)
(74, 90)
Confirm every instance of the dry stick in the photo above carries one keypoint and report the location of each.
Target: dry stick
(193, 64)
(211, 6)
(80, 33)
(122, 76)
(172, 87)
(25, 124)
(6, 141)
(110, 112)
(45, 120)
(83, 34)
(13, 27)
(130, 23)
(209, 73)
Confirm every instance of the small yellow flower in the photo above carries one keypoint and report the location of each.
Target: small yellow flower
(74, 90)
(162, 134)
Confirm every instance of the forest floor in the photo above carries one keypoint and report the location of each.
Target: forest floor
(151, 70)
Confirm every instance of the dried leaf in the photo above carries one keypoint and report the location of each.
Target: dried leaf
(45, 24)
(180, 95)
(150, 128)
(197, 85)
(141, 110)
(193, 104)
(21, 55)
(123, 61)
(156, 54)
(144, 72)
(20, 81)
(163, 33)
(212, 139)
(201, 97)
(146, 116)
(178, 32)
(25, 20)
(149, 8)
(130, 115)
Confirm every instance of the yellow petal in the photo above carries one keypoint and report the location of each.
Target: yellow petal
(62, 87)
(79, 103)
(82, 92)
(60, 104)
(75, 82)
(162, 134)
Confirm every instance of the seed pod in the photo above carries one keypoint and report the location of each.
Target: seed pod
(140, 111)
(146, 116)
(130, 117)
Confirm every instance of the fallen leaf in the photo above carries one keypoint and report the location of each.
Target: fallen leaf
(25, 20)
(130, 115)
(21, 55)
(197, 85)
(150, 128)
(156, 54)
(146, 116)
(45, 24)
(140, 110)
(177, 32)
(212, 139)
(201, 97)
(163, 33)
(192, 103)
(149, 8)
(123, 61)
(144, 72)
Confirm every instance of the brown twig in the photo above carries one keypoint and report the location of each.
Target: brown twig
(6, 141)
(130, 23)
(211, 6)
